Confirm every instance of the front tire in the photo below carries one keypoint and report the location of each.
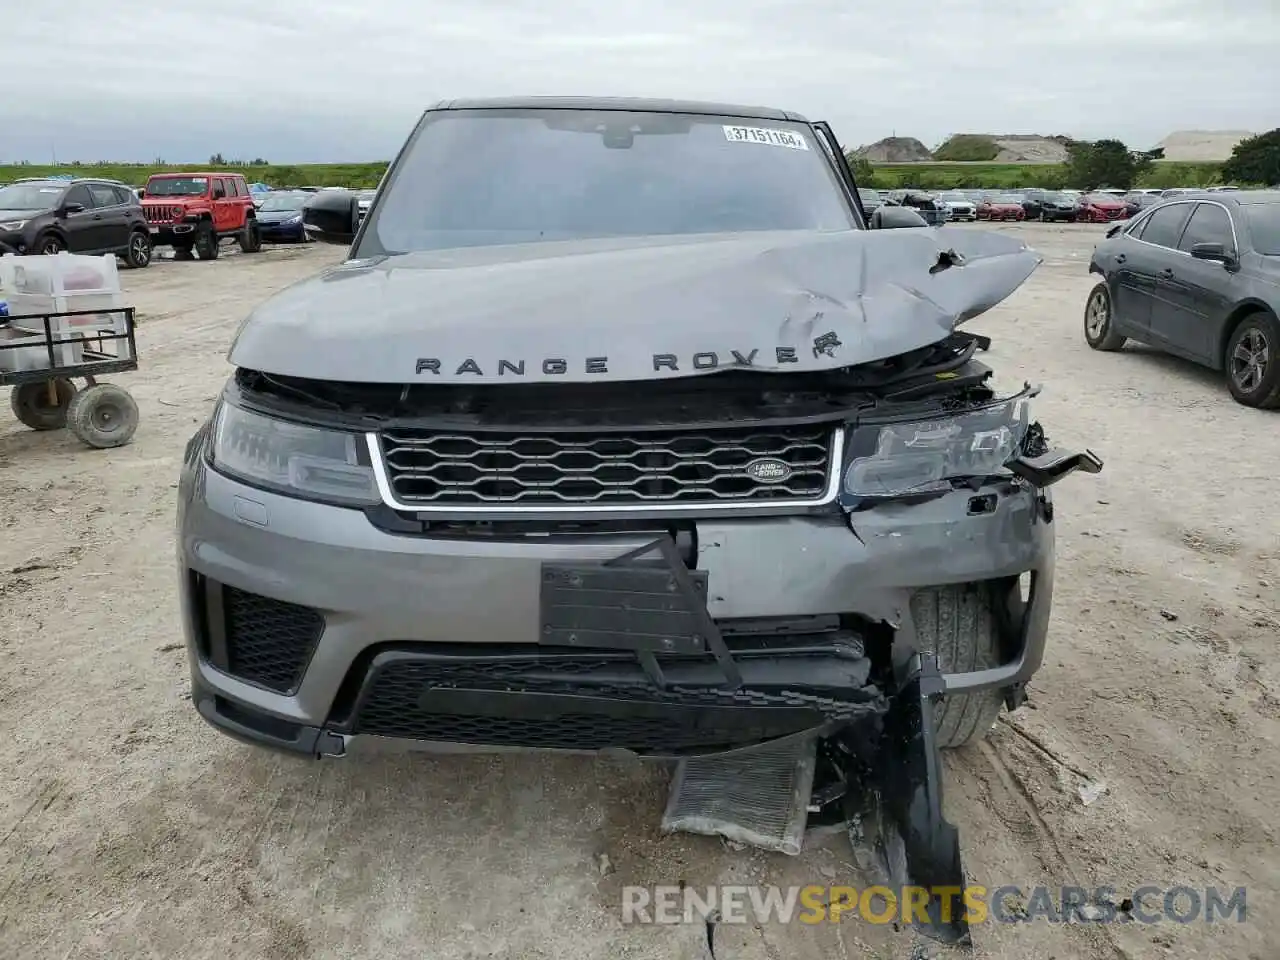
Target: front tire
(1098, 330)
(1253, 361)
(138, 253)
(48, 245)
(957, 624)
(206, 241)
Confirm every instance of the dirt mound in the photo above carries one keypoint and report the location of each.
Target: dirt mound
(1029, 148)
(895, 150)
(1201, 146)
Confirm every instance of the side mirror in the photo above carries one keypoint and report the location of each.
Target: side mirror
(70, 208)
(893, 218)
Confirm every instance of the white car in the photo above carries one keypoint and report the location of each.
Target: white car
(961, 207)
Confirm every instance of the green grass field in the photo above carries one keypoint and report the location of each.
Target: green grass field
(926, 176)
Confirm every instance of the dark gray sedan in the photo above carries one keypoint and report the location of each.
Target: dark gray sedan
(1199, 277)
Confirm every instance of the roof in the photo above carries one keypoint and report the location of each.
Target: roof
(641, 104)
(197, 173)
(1246, 197)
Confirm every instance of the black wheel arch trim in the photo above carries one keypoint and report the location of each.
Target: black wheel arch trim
(1239, 313)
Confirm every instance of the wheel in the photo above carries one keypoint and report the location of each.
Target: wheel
(206, 241)
(182, 251)
(1253, 361)
(957, 624)
(250, 237)
(138, 253)
(49, 244)
(1097, 321)
(102, 416)
(30, 402)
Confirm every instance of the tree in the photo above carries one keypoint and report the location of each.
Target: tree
(1255, 160)
(1103, 163)
(217, 161)
(863, 172)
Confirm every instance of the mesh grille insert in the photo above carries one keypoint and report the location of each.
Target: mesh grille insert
(269, 641)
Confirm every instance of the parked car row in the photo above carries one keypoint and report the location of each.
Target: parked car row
(193, 213)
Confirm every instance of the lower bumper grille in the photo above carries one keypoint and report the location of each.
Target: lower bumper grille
(637, 469)
(268, 642)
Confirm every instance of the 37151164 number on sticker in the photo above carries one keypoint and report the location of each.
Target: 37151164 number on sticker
(775, 138)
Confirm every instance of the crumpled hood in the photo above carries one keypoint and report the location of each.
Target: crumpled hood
(633, 309)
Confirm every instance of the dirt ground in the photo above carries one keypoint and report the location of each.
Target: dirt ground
(128, 828)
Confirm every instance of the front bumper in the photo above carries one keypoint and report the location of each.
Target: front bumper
(281, 231)
(429, 642)
(167, 234)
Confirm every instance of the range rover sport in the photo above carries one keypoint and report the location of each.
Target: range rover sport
(650, 444)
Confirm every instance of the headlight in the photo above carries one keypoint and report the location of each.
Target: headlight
(293, 220)
(924, 456)
(292, 459)
(13, 225)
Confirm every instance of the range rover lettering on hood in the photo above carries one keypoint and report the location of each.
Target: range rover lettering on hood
(633, 308)
(825, 345)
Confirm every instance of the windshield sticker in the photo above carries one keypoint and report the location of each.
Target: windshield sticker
(776, 138)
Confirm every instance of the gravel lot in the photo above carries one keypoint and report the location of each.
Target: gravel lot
(130, 829)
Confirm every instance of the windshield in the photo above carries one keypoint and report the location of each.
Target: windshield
(177, 187)
(1007, 198)
(955, 195)
(284, 201)
(1102, 198)
(485, 177)
(31, 196)
(1264, 227)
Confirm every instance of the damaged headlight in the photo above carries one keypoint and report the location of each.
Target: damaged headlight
(292, 458)
(924, 456)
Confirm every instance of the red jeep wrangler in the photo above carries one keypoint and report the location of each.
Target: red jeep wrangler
(196, 211)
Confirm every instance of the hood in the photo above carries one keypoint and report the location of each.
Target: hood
(22, 214)
(633, 309)
(1106, 203)
(278, 216)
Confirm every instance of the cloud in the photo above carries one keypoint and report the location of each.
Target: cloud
(297, 81)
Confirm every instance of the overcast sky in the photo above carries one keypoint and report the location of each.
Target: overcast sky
(336, 80)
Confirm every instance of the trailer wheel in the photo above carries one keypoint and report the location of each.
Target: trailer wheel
(957, 623)
(31, 404)
(103, 416)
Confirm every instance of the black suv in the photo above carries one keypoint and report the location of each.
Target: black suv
(80, 216)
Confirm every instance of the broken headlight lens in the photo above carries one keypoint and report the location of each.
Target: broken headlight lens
(292, 458)
(924, 456)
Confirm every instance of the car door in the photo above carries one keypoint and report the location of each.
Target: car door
(1195, 295)
(111, 217)
(1154, 244)
(81, 227)
(222, 213)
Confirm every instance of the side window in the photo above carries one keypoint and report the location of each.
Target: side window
(219, 188)
(79, 194)
(125, 196)
(242, 189)
(1209, 224)
(103, 195)
(1164, 226)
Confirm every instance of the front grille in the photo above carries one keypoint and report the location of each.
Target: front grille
(269, 642)
(397, 704)
(628, 470)
(156, 214)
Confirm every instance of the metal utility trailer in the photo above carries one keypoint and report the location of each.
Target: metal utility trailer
(44, 395)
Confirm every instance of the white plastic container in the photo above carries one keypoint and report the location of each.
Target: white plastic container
(38, 286)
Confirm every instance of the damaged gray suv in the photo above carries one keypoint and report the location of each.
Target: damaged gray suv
(622, 429)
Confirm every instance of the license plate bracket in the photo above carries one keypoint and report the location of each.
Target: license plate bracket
(642, 608)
